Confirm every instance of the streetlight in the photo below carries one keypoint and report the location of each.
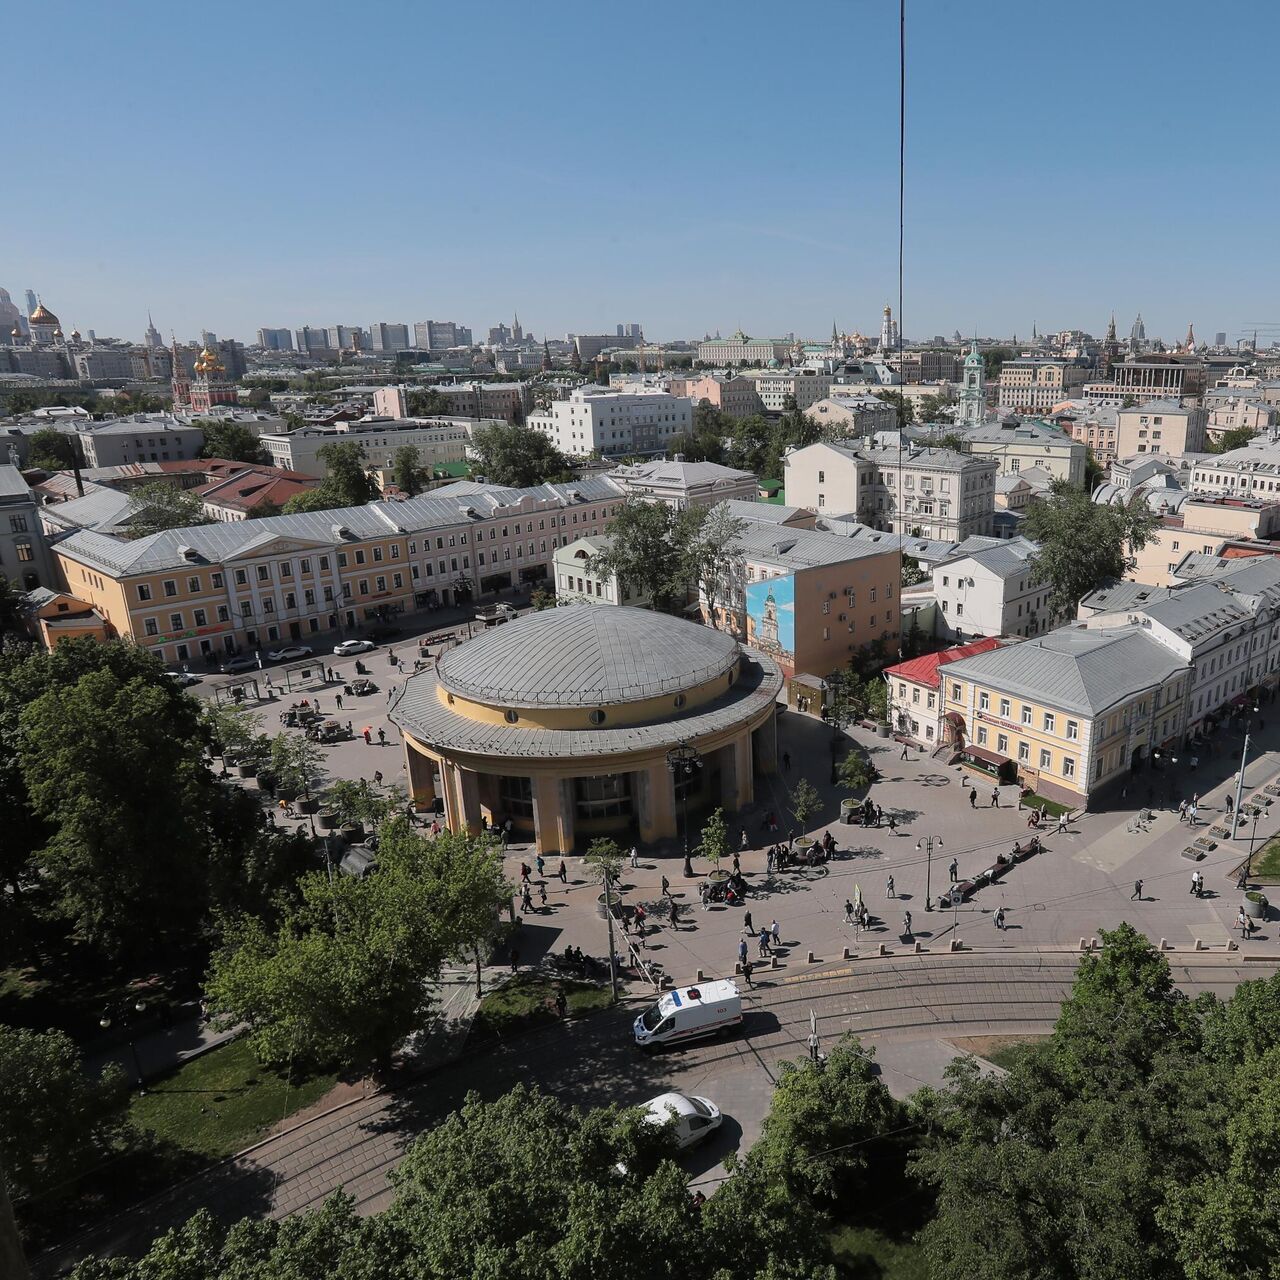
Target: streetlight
(684, 759)
(926, 843)
(128, 1017)
(1265, 807)
(1244, 755)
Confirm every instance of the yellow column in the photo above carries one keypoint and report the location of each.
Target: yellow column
(552, 813)
(737, 782)
(467, 782)
(657, 812)
(421, 771)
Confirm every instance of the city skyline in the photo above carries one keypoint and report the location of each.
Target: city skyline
(697, 209)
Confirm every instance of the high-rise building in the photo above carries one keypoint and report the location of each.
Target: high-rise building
(9, 318)
(440, 335)
(1220, 339)
(517, 333)
(1138, 334)
(632, 331)
(312, 341)
(152, 337)
(389, 337)
(345, 337)
(32, 301)
(499, 335)
(208, 340)
(888, 330)
(275, 339)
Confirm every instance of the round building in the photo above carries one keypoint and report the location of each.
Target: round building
(563, 721)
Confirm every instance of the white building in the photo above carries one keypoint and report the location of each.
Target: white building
(776, 386)
(853, 415)
(1018, 445)
(683, 484)
(614, 423)
(145, 437)
(988, 588)
(24, 553)
(578, 583)
(438, 441)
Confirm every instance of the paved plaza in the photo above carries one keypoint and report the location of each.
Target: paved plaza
(916, 1010)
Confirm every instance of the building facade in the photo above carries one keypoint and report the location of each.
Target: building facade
(438, 440)
(1031, 385)
(991, 590)
(734, 395)
(613, 423)
(682, 484)
(158, 437)
(24, 553)
(1160, 426)
(740, 349)
(853, 415)
(1019, 445)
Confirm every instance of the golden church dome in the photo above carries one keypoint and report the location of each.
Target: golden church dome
(42, 315)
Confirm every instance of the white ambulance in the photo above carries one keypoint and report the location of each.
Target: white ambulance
(710, 1008)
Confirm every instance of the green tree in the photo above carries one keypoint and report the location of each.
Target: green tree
(803, 801)
(231, 440)
(993, 359)
(648, 551)
(936, 409)
(359, 802)
(855, 772)
(56, 1121)
(52, 450)
(1094, 472)
(296, 763)
(912, 573)
(407, 469)
(263, 509)
(12, 617)
(346, 477)
(321, 498)
(1235, 438)
(429, 403)
(906, 410)
(519, 456)
(346, 973)
(714, 844)
(712, 538)
(160, 505)
(542, 598)
(1084, 544)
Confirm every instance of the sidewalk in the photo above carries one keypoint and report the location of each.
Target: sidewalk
(160, 1051)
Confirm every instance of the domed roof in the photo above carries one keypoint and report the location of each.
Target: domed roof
(42, 315)
(585, 656)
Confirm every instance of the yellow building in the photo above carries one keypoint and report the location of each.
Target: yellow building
(562, 722)
(1069, 713)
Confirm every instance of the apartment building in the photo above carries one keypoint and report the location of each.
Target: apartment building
(776, 387)
(734, 395)
(24, 553)
(1031, 385)
(195, 594)
(1095, 427)
(1237, 413)
(931, 366)
(437, 440)
(989, 588)
(683, 484)
(1069, 713)
(1019, 445)
(929, 493)
(594, 420)
(578, 583)
(853, 415)
(151, 437)
(1253, 471)
(509, 401)
(915, 691)
(1160, 426)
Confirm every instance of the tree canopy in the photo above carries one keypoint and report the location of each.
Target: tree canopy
(160, 505)
(53, 450)
(1234, 438)
(231, 440)
(1084, 544)
(346, 477)
(407, 469)
(519, 456)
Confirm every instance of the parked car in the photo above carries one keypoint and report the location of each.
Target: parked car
(243, 662)
(184, 678)
(289, 652)
(695, 1117)
(348, 647)
(362, 688)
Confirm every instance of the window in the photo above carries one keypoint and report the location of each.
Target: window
(223, 615)
(144, 591)
(264, 573)
(1073, 731)
(242, 578)
(359, 556)
(1024, 752)
(955, 693)
(984, 701)
(268, 605)
(170, 587)
(290, 600)
(1005, 707)
(201, 618)
(305, 565)
(286, 569)
(982, 736)
(1045, 759)
(17, 524)
(175, 622)
(246, 608)
(193, 585)
(151, 627)
(1002, 743)
(1026, 714)
(1049, 721)
(377, 555)
(959, 608)
(217, 580)
(1068, 767)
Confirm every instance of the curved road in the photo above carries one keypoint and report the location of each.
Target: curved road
(903, 1005)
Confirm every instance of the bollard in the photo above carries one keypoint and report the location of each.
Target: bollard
(811, 958)
(1164, 945)
(773, 962)
(700, 977)
(1084, 945)
(919, 946)
(737, 966)
(1199, 945)
(884, 951)
(1232, 945)
(956, 944)
(848, 954)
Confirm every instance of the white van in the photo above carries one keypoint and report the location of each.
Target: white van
(709, 1009)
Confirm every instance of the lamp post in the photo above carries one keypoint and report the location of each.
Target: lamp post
(1244, 756)
(926, 843)
(682, 760)
(1253, 836)
(128, 1015)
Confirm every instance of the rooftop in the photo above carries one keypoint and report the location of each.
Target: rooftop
(924, 670)
(791, 548)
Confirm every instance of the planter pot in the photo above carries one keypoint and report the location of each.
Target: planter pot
(882, 731)
(1255, 904)
(802, 844)
(352, 832)
(615, 896)
(267, 782)
(247, 770)
(308, 804)
(719, 877)
(326, 821)
(846, 809)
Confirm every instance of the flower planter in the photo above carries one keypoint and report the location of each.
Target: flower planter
(308, 804)
(247, 770)
(846, 809)
(352, 832)
(615, 898)
(1255, 904)
(882, 731)
(326, 821)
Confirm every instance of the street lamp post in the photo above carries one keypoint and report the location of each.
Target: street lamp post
(1244, 756)
(683, 759)
(127, 1018)
(1253, 836)
(926, 844)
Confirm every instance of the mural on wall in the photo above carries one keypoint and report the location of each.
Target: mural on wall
(771, 619)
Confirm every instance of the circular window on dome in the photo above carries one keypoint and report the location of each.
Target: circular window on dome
(679, 700)
(512, 717)
(596, 716)
(450, 698)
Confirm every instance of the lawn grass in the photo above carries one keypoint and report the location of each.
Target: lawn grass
(865, 1252)
(1051, 807)
(1266, 863)
(528, 999)
(222, 1102)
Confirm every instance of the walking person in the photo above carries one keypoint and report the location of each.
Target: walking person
(382, 737)
(542, 894)
(515, 960)
(641, 916)
(904, 755)
(764, 941)
(973, 797)
(742, 951)
(746, 923)
(635, 858)
(890, 891)
(995, 797)
(702, 894)
(893, 825)
(848, 911)
(338, 699)
(746, 972)
(813, 1046)
(737, 865)
(1231, 803)
(906, 924)
(1000, 919)
(540, 862)
(666, 887)
(1137, 891)
(954, 870)
(675, 914)
(563, 873)
(1193, 815)
(1182, 811)
(768, 861)
(526, 899)
(1242, 923)
(775, 933)
(1062, 823)
(786, 761)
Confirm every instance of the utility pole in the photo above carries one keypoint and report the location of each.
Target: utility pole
(608, 916)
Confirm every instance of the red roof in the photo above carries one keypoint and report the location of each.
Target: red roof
(925, 670)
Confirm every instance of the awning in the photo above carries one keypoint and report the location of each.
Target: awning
(991, 758)
(954, 717)
(1239, 700)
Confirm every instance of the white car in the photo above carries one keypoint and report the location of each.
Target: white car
(289, 652)
(184, 678)
(695, 1117)
(348, 647)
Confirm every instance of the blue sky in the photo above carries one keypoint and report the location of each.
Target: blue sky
(690, 166)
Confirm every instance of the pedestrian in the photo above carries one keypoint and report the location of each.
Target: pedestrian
(1182, 811)
(848, 911)
(1193, 816)
(526, 899)
(1242, 923)
(377, 777)
(541, 863)
(1000, 918)
(995, 797)
(904, 755)
(666, 887)
(641, 917)
(786, 761)
(542, 895)
(702, 894)
(525, 872)
(775, 933)
(1137, 891)
(1231, 804)
(746, 971)
(973, 797)
(768, 860)
(889, 890)
(675, 914)
(563, 873)
(515, 960)
(1195, 883)
(338, 699)
(954, 870)
(764, 941)
(893, 825)
(747, 926)
(562, 1005)
(813, 1046)
(906, 924)
(744, 845)
(368, 738)
(742, 951)
(737, 866)
(382, 737)
(635, 857)
(349, 726)
(1062, 823)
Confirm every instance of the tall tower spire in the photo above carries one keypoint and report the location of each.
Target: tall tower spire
(972, 408)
